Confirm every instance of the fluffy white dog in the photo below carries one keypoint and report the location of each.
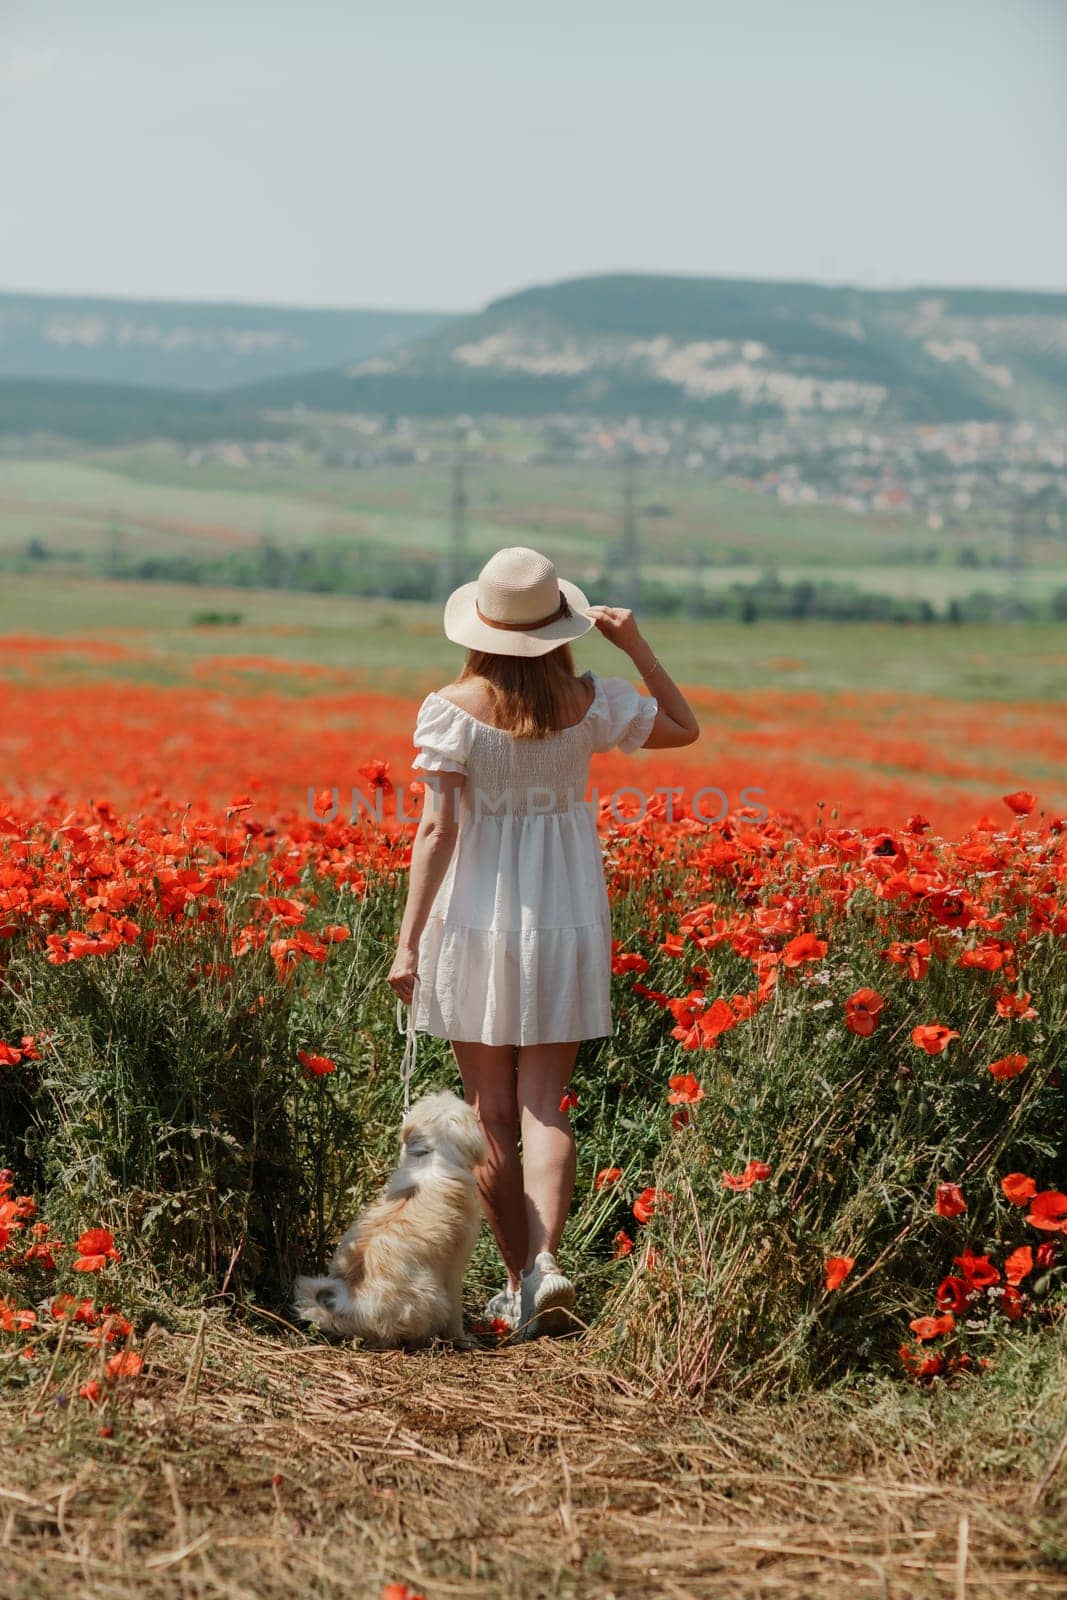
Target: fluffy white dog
(397, 1275)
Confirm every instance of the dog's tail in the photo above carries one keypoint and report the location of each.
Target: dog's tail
(325, 1302)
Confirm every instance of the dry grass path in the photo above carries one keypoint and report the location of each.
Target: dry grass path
(247, 1467)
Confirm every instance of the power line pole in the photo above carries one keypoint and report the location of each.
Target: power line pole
(694, 600)
(454, 571)
(629, 544)
(1015, 560)
(113, 559)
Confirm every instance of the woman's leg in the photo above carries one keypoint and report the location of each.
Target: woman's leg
(488, 1073)
(548, 1156)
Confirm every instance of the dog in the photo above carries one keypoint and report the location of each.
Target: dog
(396, 1278)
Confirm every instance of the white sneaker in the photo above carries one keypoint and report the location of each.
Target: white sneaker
(545, 1300)
(504, 1307)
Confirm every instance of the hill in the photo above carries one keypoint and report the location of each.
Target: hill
(711, 349)
(177, 345)
(724, 349)
(115, 413)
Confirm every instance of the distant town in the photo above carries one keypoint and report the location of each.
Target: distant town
(998, 473)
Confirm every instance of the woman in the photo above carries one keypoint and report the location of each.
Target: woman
(505, 943)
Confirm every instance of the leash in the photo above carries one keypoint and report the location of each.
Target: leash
(406, 1026)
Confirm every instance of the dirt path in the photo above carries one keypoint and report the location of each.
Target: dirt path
(252, 1469)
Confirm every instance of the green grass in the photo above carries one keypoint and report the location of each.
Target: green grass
(403, 647)
(161, 502)
(904, 581)
(678, 511)
(74, 503)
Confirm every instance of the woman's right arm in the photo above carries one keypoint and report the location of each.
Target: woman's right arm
(675, 723)
(431, 851)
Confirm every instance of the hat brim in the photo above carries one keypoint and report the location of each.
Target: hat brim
(464, 626)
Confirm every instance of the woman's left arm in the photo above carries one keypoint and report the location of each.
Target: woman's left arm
(431, 851)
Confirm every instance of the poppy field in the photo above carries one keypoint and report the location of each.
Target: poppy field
(821, 1165)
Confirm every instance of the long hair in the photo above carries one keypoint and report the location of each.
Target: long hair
(528, 694)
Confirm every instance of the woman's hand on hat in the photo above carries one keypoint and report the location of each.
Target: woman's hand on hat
(403, 972)
(618, 625)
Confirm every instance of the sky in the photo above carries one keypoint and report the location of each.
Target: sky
(437, 156)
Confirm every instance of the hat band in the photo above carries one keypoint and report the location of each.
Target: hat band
(562, 610)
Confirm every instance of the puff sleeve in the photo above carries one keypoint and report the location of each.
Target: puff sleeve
(442, 736)
(620, 717)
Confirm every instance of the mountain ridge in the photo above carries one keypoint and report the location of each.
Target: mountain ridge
(189, 345)
(727, 348)
(719, 350)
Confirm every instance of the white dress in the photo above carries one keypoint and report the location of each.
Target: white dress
(517, 946)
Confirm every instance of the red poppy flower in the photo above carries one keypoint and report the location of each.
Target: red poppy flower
(96, 1240)
(950, 908)
(95, 1248)
(950, 1201)
(954, 1294)
(837, 1270)
(90, 1391)
(755, 1172)
(887, 852)
(1018, 1188)
(1047, 1255)
(623, 1245)
(989, 957)
(978, 1270)
(568, 1100)
(805, 947)
(43, 1254)
(83, 1311)
(1048, 1210)
(926, 1364)
(649, 1201)
(127, 1364)
(686, 1009)
(16, 1319)
(933, 1037)
(912, 955)
(606, 1176)
(932, 1327)
(718, 1019)
(1008, 1066)
(1021, 802)
(1019, 1265)
(115, 1326)
(629, 961)
(655, 995)
(377, 775)
(399, 1591)
(684, 1091)
(1015, 1006)
(862, 1011)
(316, 1066)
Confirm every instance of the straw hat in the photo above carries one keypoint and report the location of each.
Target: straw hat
(517, 606)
